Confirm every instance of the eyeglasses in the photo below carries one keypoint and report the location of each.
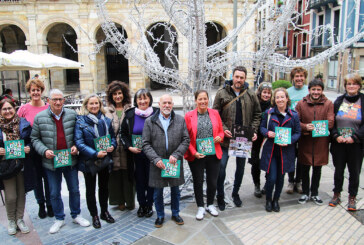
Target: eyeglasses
(266, 85)
(57, 99)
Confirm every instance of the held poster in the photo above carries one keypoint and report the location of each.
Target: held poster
(206, 146)
(321, 128)
(102, 143)
(241, 143)
(283, 135)
(172, 170)
(62, 158)
(14, 149)
(137, 141)
(346, 132)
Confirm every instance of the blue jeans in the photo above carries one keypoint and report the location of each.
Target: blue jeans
(275, 179)
(55, 183)
(159, 204)
(239, 172)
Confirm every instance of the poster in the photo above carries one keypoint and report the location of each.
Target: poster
(346, 132)
(206, 146)
(14, 149)
(62, 158)
(283, 135)
(321, 128)
(172, 170)
(137, 141)
(241, 143)
(102, 143)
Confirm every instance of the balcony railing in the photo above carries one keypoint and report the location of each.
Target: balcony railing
(316, 4)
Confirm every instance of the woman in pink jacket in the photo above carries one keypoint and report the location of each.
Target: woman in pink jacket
(205, 129)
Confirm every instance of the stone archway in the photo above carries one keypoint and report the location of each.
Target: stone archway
(67, 80)
(110, 64)
(160, 32)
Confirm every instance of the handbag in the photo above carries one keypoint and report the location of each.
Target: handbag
(10, 167)
(97, 165)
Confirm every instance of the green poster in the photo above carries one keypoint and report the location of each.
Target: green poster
(14, 149)
(346, 132)
(283, 135)
(62, 158)
(321, 128)
(206, 146)
(102, 143)
(293, 104)
(137, 141)
(172, 170)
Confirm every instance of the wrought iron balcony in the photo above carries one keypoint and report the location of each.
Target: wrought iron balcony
(316, 4)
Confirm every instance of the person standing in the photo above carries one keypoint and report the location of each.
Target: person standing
(203, 123)
(35, 88)
(348, 135)
(237, 105)
(313, 151)
(165, 136)
(296, 93)
(121, 179)
(264, 94)
(278, 158)
(53, 129)
(90, 125)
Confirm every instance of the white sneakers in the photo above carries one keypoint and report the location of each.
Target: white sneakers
(11, 227)
(81, 221)
(200, 213)
(22, 226)
(212, 210)
(56, 226)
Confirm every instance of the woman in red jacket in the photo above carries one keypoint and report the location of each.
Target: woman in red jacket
(205, 129)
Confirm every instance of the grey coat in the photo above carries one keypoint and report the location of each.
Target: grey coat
(44, 135)
(154, 147)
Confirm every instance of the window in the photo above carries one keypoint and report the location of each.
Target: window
(336, 25)
(320, 22)
(304, 45)
(361, 66)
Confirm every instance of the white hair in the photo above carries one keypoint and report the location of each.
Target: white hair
(55, 91)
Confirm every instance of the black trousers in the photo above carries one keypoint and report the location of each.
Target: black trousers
(103, 180)
(315, 179)
(198, 166)
(298, 170)
(352, 156)
(144, 191)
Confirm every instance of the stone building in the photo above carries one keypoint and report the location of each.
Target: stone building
(42, 26)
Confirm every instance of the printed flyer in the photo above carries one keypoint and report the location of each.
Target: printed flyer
(241, 143)
(346, 132)
(206, 146)
(321, 128)
(137, 141)
(102, 143)
(62, 158)
(283, 135)
(14, 149)
(172, 170)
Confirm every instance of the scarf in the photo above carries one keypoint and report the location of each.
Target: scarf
(99, 119)
(352, 99)
(145, 113)
(10, 128)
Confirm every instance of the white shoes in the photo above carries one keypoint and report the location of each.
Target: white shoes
(81, 221)
(200, 213)
(11, 227)
(22, 226)
(212, 210)
(56, 226)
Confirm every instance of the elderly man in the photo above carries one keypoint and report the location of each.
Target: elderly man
(165, 136)
(238, 105)
(53, 130)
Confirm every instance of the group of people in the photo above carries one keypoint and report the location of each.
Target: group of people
(130, 147)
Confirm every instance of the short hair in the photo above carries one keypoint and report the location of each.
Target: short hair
(262, 86)
(143, 92)
(115, 86)
(8, 91)
(298, 70)
(84, 111)
(198, 92)
(35, 82)
(274, 96)
(240, 68)
(55, 91)
(355, 77)
(3, 101)
(316, 82)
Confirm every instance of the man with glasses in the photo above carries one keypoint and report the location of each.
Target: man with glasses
(53, 130)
